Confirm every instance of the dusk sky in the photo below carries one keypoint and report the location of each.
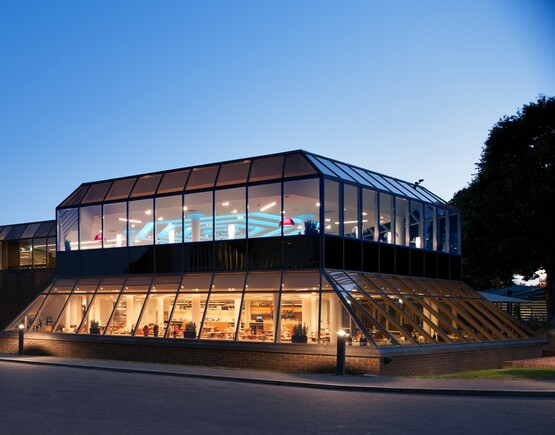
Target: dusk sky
(91, 90)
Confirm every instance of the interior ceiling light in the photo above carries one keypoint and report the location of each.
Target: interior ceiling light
(266, 207)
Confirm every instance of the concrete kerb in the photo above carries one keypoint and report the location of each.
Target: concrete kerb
(325, 382)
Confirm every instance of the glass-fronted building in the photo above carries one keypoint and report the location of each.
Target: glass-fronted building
(276, 249)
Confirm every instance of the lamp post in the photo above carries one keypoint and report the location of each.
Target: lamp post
(340, 365)
(21, 327)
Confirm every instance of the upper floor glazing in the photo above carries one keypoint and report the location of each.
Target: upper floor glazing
(294, 193)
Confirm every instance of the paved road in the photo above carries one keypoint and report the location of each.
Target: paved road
(62, 400)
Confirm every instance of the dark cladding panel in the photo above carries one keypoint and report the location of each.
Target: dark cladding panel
(76, 197)
(296, 165)
(173, 182)
(121, 189)
(146, 185)
(202, 178)
(233, 173)
(97, 192)
(268, 168)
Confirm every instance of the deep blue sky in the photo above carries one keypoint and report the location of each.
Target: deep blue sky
(91, 90)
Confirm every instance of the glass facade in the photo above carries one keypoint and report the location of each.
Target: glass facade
(286, 248)
(28, 246)
(261, 197)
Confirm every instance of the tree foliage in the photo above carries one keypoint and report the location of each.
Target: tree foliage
(508, 208)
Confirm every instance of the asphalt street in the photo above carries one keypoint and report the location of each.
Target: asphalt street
(71, 400)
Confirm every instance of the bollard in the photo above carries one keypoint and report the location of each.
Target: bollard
(21, 327)
(340, 365)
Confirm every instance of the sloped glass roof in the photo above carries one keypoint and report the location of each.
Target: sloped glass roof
(27, 231)
(256, 169)
(381, 310)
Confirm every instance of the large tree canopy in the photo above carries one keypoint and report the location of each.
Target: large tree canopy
(509, 206)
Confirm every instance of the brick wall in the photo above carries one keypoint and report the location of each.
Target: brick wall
(284, 358)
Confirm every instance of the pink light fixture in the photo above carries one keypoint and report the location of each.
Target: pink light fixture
(286, 222)
(98, 236)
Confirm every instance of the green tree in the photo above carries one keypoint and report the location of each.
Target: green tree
(508, 207)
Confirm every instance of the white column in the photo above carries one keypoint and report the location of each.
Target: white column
(306, 310)
(335, 317)
(160, 311)
(130, 312)
(196, 314)
(195, 227)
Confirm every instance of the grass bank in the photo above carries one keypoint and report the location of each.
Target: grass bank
(512, 373)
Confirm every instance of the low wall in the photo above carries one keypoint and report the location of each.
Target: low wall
(281, 358)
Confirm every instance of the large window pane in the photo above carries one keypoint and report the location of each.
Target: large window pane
(141, 222)
(115, 225)
(90, 227)
(297, 165)
(302, 204)
(369, 215)
(415, 224)
(230, 214)
(221, 316)
(299, 309)
(126, 314)
(442, 242)
(429, 227)
(351, 224)
(156, 314)
(454, 232)
(331, 210)
(264, 210)
(258, 316)
(97, 192)
(198, 217)
(401, 219)
(68, 227)
(386, 218)
(189, 308)
(169, 224)
(39, 252)
(25, 254)
(49, 313)
(51, 247)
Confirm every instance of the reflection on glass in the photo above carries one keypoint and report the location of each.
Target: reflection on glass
(264, 211)
(350, 211)
(221, 316)
(331, 210)
(115, 225)
(257, 317)
(198, 213)
(302, 205)
(386, 218)
(141, 222)
(415, 225)
(169, 224)
(230, 214)
(68, 226)
(369, 214)
(401, 219)
(90, 227)
(429, 227)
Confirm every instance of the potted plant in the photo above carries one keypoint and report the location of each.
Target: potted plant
(190, 330)
(310, 227)
(94, 328)
(300, 334)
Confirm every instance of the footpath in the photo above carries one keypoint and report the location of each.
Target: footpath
(364, 383)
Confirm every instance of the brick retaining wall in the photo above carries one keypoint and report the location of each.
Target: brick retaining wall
(281, 358)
